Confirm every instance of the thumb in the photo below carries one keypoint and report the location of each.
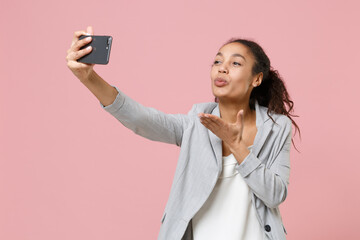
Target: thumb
(240, 117)
(89, 30)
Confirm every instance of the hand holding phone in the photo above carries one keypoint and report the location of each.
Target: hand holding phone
(100, 52)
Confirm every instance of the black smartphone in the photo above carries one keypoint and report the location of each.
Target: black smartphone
(100, 53)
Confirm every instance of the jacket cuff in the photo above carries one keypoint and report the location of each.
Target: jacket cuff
(116, 104)
(249, 164)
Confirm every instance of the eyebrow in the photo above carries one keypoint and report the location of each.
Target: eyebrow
(234, 55)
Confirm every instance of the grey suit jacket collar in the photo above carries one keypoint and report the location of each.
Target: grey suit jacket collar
(263, 129)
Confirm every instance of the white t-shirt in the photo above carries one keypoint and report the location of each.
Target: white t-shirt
(228, 213)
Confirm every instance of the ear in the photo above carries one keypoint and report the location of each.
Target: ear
(258, 79)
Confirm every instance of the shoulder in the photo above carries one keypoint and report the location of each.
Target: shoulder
(281, 121)
(283, 124)
(205, 107)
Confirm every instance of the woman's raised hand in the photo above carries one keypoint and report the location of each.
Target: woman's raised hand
(80, 70)
(230, 133)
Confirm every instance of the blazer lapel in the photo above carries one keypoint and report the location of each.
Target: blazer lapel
(263, 125)
(263, 129)
(215, 141)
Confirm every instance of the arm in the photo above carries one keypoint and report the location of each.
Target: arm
(146, 121)
(269, 184)
(103, 91)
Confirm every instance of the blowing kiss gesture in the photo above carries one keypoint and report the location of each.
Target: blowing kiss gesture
(230, 133)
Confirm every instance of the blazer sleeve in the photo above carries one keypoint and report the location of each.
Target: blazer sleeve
(270, 184)
(148, 122)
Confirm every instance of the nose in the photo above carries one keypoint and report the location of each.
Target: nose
(222, 69)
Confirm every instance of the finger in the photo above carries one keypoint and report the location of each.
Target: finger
(79, 44)
(240, 117)
(209, 118)
(211, 127)
(76, 36)
(216, 120)
(205, 122)
(77, 65)
(211, 124)
(89, 29)
(75, 55)
(241, 121)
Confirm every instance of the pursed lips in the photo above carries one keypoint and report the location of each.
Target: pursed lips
(220, 79)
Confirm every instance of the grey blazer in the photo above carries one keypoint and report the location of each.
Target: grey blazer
(266, 169)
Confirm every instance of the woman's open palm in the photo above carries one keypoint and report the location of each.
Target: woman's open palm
(230, 133)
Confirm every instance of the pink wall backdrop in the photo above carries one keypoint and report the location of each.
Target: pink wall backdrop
(69, 170)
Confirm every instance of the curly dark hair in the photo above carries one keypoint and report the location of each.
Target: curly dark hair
(272, 92)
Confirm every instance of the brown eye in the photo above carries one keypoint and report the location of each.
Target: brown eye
(237, 63)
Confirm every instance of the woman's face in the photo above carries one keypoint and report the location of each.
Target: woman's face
(233, 63)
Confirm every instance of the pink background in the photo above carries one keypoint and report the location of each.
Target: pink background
(69, 170)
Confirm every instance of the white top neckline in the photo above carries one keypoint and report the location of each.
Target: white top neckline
(228, 213)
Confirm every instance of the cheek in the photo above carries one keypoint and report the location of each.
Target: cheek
(213, 71)
(240, 87)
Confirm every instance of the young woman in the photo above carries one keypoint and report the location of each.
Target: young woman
(234, 165)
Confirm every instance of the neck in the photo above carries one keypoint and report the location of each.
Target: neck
(229, 111)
